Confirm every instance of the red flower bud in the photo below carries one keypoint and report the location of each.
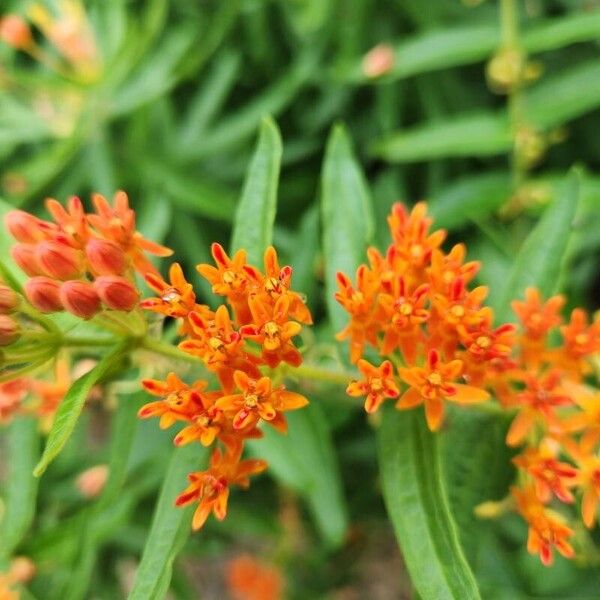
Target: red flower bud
(44, 294)
(105, 257)
(117, 292)
(25, 257)
(8, 299)
(27, 228)
(15, 32)
(9, 330)
(58, 260)
(80, 298)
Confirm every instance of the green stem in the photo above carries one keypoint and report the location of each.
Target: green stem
(316, 373)
(79, 342)
(159, 347)
(38, 317)
(27, 370)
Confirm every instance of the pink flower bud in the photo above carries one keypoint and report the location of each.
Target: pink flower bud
(105, 257)
(27, 228)
(44, 294)
(9, 300)
(91, 482)
(15, 32)
(58, 260)
(117, 292)
(25, 257)
(9, 330)
(378, 61)
(80, 298)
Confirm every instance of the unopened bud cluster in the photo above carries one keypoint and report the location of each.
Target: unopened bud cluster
(78, 262)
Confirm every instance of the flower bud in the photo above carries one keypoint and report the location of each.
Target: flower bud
(58, 260)
(378, 61)
(92, 481)
(9, 300)
(105, 257)
(117, 292)
(25, 257)
(44, 294)
(22, 569)
(9, 330)
(15, 32)
(27, 228)
(80, 298)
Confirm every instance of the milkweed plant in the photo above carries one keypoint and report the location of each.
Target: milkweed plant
(166, 394)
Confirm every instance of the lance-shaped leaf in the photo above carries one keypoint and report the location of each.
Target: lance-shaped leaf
(347, 217)
(255, 215)
(70, 408)
(21, 489)
(416, 500)
(170, 527)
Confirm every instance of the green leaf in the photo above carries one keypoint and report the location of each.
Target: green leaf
(305, 460)
(21, 492)
(347, 217)
(445, 48)
(473, 134)
(476, 196)
(417, 503)
(540, 258)
(255, 215)
(170, 527)
(70, 408)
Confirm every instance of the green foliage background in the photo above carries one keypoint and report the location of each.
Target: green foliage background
(174, 121)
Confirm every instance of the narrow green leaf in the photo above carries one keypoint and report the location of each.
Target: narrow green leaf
(347, 217)
(473, 134)
(541, 256)
(21, 492)
(473, 197)
(255, 215)
(70, 408)
(445, 48)
(170, 526)
(305, 460)
(417, 503)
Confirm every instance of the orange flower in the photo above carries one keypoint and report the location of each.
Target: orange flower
(410, 234)
(259, 400)
(589, 482)
(176, 298)
(580, 340)
(546, 528)
(377, 385)
(550, 475)
(434, 383)
(404, 312)
(250, 579)
(446, 268)
(538, 318)
(12, 393)
(71, 221)
(117, 223)
(273, 331)
(180, 402)
(538, 402)
(210, 488)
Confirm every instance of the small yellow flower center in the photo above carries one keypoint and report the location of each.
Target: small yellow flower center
(251, 401)
(215, 343)
(229, 277)
(448, 276)
(406, 309)
(483, 341)
(175, 400)
(171, 296)
(271, 329)
(416, 250)
(204, 420)
(458, 311)
(582, 338)
(376, 384)
(272, 285)
(535, 319)
(435, 378)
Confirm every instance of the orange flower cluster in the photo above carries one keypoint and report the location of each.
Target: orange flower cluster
(414, 306)
(240, 345)
(557, 418)
(82, 263)
(251, 579)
